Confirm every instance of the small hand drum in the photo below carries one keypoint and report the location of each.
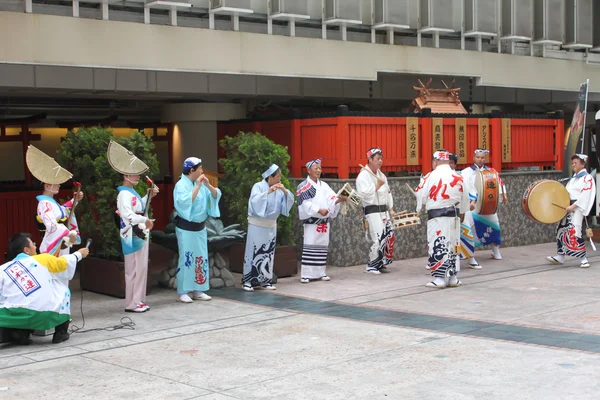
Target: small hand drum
(353, 197)
(405, 219)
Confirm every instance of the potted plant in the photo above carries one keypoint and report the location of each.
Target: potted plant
(247, 156)
(83, 152)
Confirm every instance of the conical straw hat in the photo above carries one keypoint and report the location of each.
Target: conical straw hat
(44, 168)
(124, 161)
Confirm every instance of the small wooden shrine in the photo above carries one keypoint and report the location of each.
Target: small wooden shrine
(440, 101)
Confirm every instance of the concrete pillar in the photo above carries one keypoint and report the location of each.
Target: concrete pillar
(195, 130)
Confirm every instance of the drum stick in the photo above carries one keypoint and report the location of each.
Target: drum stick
(368, 170)
(593, 245)
(411, 189)
(559, 206)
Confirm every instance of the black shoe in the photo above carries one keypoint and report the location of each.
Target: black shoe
(21, 337)
(5, 335)
(60, 337)
(384, 270)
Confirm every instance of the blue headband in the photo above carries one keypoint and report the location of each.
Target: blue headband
(270, 171)
(313, 162)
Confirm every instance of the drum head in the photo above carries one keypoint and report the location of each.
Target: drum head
(547, 202)
(485, 204)
(479, 190)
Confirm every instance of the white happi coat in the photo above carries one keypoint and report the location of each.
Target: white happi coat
(380, 225)
(443, 188)
(312, 197)
(131, 207)
(50, 212)
(569, 236)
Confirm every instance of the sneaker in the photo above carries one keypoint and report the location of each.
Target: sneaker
(248, 288)
(437, 283)
(372, 271)
(554, 260)
(60, 337)
(269, 287)
(584, 264)
(184, 298)
(144, 305)
(138, 308)
(384, 270)
(325, 278)
(304, 280)
(201, 296)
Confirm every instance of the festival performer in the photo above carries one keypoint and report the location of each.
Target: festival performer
(268, 200)
(445, 198)
(486, 228)
(569, 232)
(59, 233)
(134, 225)
(467, 244)
(317, 204)
(195, 200)
(32, 293)
(372, 187)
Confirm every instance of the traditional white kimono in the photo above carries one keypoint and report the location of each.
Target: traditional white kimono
(485, 228)
(381, 234)
(50, 213)
(130, 208)
(192, 270)
(32, 293)
(263, 210)
(312, 197)
(445, 197)
(569, 232)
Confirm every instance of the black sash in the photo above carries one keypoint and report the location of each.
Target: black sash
(189, 225)
(315, 221)
(442, 212)
(375, 209)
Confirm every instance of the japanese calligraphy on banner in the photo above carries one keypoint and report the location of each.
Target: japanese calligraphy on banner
(461, 139)
(412, 141)
(438, 134)
(506, 155)
(483, 135)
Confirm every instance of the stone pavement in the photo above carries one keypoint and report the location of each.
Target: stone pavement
(519, 328)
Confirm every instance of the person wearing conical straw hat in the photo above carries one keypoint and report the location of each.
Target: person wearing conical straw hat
(134, 225)
(51, 216)
(195, 200)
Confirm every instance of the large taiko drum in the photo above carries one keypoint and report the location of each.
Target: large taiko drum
(487, 184)
(546, 201)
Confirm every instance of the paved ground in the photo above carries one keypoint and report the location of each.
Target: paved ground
(519, 328)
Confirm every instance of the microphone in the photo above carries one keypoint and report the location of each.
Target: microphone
(88, 243)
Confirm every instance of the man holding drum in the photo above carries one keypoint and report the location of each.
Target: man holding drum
(372, 187)
(317, 204)
(569, 236)
(486, 228)
(444, 194)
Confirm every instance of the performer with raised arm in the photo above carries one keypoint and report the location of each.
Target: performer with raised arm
(59, 232)
(569, 231)
(134, 226)
(195, 200)
(486, 228)
(445, 198)
(317, 204)
(268, 200)
(372, 187)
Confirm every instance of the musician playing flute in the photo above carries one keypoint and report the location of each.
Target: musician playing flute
(569, 232)
(373, 188)
(317, 205)
(268, 200)
(134, 226)
(486, 228)
(195, 200)
(445, 197)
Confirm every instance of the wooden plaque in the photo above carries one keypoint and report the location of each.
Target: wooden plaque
(506, 154)
(461, 140)
(412, 141)
(438, 134)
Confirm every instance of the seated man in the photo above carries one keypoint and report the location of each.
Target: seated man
(32, 293)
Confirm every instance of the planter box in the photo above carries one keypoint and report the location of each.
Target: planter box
(108, 277)
(285, 263)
